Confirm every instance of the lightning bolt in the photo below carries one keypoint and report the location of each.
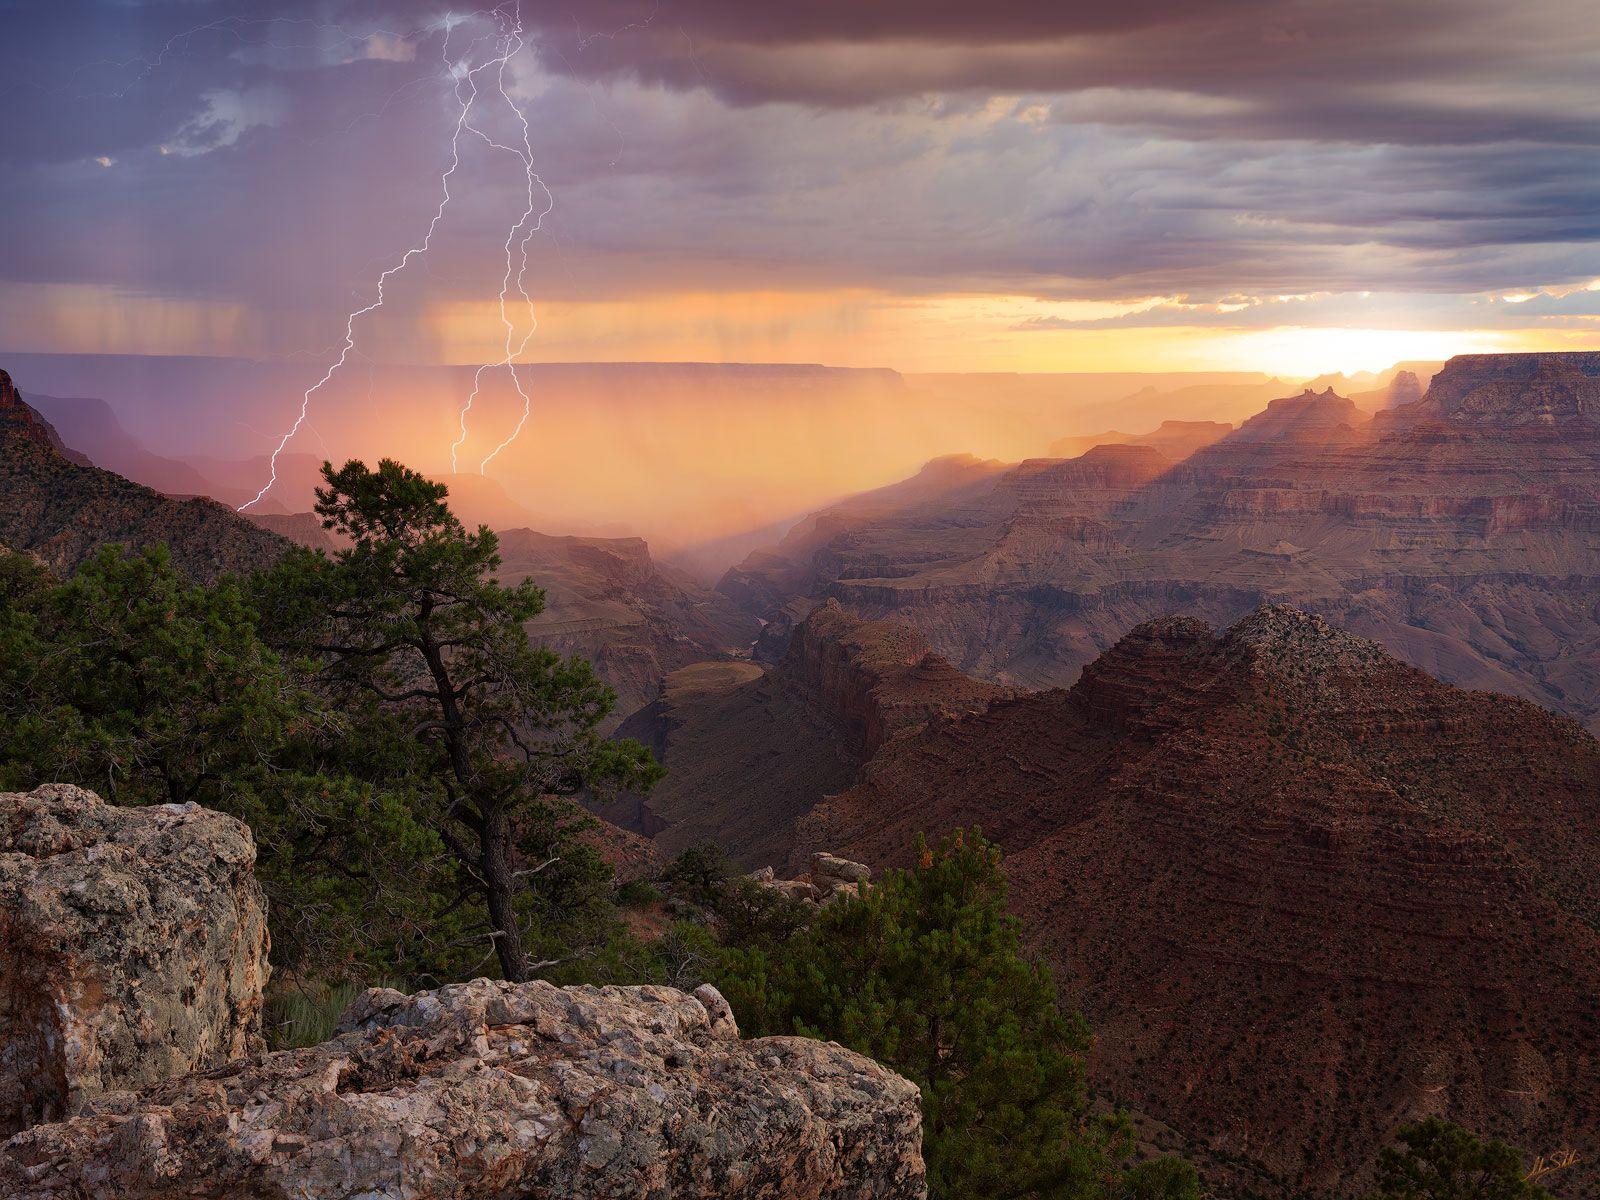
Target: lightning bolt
(509, 362)
(586, 40)
(530, 224)
(462, 76)
(509, 39)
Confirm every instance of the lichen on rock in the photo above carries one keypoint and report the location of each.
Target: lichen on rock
(499, 1089)
(133, 947)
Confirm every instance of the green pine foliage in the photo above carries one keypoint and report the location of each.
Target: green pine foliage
(1438, 1160)
(132, 681)
(484, 731)
(926, 974)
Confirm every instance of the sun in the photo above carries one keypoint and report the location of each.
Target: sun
(1298, 351)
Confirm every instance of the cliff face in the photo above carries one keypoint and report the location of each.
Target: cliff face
(1310, 418)
(63, 509)
(767, 580)
(497, 1089)
(607, 600)
(1513, 390)
(1404, 388)
(1462, 531)
(874, 680)
(24, 423)
(749, 750)
(1294, 886)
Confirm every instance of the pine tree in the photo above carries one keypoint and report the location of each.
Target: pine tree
(926, 974)
(413, 632)
(1438, 1160)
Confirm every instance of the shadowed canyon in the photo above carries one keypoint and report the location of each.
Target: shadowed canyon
(1280, 725)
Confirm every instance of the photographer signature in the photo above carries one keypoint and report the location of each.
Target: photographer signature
(1543, 1166)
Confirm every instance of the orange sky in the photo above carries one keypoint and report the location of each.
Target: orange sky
(847, 327)
(1027, 186)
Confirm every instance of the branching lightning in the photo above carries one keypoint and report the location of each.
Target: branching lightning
(530, 224)
(469, 83)
(533, 224)
(466, 90)
(586, 40)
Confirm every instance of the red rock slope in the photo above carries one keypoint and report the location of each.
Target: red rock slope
(61, 508)
(1302, 891)
(1462, 531)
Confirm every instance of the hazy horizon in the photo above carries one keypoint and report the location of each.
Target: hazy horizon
(679, 453)
(308, 228)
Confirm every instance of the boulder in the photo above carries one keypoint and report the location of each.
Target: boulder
(825, 866)
(133, 947)
(841, 893)
(832, 879)
(794, 889)
(498, 1089)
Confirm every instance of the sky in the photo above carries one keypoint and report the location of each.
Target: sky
(1287, 186)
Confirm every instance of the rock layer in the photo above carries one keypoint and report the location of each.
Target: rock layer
(1461, 530)
(133, 946)
(1176, 440)
(608, 600)
(491, 1089)
(62, 509)
(1303, 892)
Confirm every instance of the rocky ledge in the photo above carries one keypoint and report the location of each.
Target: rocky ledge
(133, 946)
(496, 1089)
(831, 880)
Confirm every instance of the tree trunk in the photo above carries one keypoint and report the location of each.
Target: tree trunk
(494, 844)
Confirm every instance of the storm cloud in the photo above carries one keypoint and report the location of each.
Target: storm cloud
(1194, 160)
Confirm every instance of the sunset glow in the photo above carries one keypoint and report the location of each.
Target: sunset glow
(806, 599)
(1216, 198)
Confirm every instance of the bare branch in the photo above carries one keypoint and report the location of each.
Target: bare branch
(527, 872)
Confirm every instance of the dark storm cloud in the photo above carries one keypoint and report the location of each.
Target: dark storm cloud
(965, 24)
(1159, 148)
(1297, 67)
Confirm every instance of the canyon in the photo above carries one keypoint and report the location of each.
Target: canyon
(750, 750)
(1461, 530)
(1303, 892)
(1312, 876)
(61, 508)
